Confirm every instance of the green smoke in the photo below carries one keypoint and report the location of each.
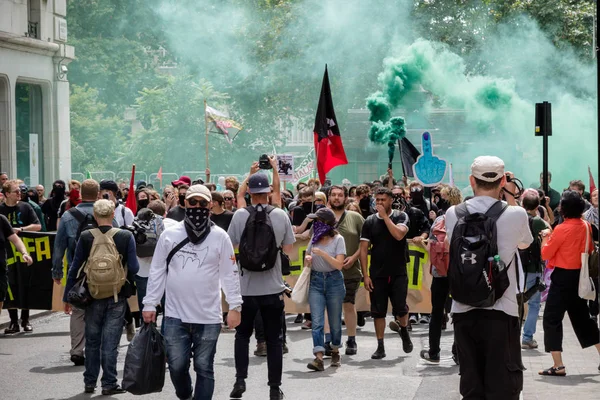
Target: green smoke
(379, 107)
(388, 132)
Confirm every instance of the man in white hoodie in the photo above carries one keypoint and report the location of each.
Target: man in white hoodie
(193, 261)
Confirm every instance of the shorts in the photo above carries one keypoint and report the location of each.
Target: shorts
(352, 286)
(3, 282)
(394, 288)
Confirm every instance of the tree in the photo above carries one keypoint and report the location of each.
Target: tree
(95, 136)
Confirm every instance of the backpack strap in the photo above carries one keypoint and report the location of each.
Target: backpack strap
(95, 233)
(175, 250)
(461, 211)
(496, 210)
(112, 232)
(77, 214)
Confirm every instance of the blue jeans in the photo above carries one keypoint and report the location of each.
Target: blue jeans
(141, 284)
(182, 340)
(103, 330)
(534, 304)
(327, 291)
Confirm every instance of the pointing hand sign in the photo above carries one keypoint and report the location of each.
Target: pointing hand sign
(429, 169)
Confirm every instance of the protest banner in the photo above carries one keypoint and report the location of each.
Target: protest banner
(285, 166)
(429, 169)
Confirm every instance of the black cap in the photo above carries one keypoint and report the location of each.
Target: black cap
(324, 214)
(109, 185)
(259, 183)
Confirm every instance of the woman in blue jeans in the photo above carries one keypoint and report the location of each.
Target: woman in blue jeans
(325, 254)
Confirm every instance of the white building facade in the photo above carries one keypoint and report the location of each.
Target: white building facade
(35, 143)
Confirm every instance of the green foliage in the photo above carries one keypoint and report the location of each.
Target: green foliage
(95, 136)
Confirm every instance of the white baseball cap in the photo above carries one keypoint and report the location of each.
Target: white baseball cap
(198, 191)
(487, 168)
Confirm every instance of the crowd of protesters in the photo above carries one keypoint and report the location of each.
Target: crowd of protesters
(193, 222)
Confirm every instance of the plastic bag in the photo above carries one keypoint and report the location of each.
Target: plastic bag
(300, 292)
(145, 362)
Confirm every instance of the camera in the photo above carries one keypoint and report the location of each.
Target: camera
(539, 286)
(264, 162)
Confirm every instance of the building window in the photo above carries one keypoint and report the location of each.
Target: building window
(28, 101)
(34, 13)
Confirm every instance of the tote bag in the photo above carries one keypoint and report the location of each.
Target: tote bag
(300, 291)
(587, 290)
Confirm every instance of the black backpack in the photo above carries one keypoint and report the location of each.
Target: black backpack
(475, 280)
(533, 254)
(86, 221)
(147, 228)
(258, 248)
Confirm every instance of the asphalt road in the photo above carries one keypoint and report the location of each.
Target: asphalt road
(36, 366)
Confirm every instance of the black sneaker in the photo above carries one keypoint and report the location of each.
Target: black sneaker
(238, 390)
(379, 354)
(276, 394)
(27, 328)
(12, 329)
(299, 319)
(351, 348)
(78, 360)
(89, 389)
(407, 345)
(328, 349)
(116, 390)
(285, 348)
(434, 358)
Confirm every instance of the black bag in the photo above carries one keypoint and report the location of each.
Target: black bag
(475, 280)
(285, 263)
(258, 248)
(79, 295)
(86, 221)
(145, 362)
(533, 254)
(147, 230)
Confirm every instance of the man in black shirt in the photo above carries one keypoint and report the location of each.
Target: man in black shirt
(178, 212)
(418, 200)
(387, 277)
(21, 217)
(7, 234)
(218, 214)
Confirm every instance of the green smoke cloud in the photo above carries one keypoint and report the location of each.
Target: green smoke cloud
(388, 132)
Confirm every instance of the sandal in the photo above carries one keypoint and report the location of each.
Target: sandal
(560, 371)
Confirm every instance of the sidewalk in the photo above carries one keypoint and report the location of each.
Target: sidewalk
(33, 314)
(583, 378)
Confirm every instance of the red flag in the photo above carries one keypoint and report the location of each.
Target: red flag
(159, 176)
(131, 203)
(592, 183)
(329, 149)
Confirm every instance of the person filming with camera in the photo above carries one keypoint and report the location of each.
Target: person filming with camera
(533, 266)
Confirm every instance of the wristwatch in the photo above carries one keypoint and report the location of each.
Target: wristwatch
(238, 309)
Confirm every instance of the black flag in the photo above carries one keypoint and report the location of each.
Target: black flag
(409, 154)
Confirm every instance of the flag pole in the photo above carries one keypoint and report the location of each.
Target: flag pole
(401, 157)
(206, 126)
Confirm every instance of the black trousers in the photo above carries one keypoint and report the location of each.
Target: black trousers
(271, 307)
(563, 297)
(439, 295)
(490, 355)
(259, 328)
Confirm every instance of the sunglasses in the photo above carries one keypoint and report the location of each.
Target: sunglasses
(194, 202)
(228, 198)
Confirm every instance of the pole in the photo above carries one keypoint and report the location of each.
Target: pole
(401, 157)
(545, 163)
(206, 126)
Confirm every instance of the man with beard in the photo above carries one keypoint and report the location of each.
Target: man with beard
(52, 205)
(200, 262)
(349, 224)
(386, 278)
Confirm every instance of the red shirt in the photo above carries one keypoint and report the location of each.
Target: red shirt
(566, 243)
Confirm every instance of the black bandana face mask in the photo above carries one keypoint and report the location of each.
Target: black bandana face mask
(197, 224)
(143, 203)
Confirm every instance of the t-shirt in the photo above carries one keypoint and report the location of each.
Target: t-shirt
(538, 225)
(270, 281)
(334, 248)
(419, 222)
(388, 255)
(350, 229)
(19, 215)
(176, 213)
(5, 232)
(123, 216)
(222, 220)
(50, 209)
(512, 229)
